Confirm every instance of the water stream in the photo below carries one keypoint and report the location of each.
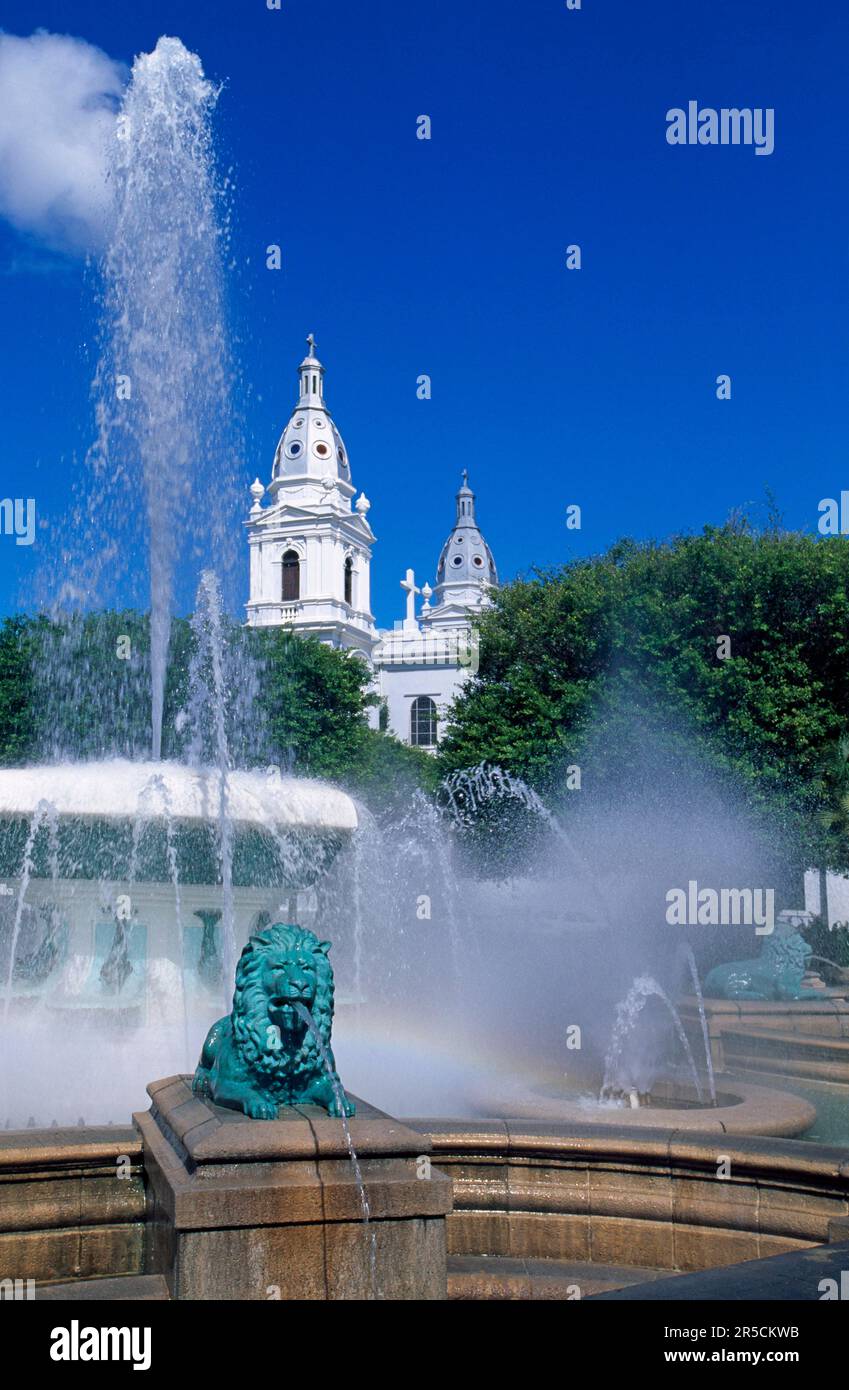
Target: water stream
(339, 1094)
(208, 702)
(697, 988)
(44, 814)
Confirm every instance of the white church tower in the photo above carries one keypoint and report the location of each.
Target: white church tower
(423, 664)
(310, 548)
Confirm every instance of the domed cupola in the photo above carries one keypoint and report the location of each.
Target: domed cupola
(466, 568)
(311, 446)
(466, 558)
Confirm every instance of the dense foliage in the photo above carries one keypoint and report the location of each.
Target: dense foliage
(584, 665)
(17, 725)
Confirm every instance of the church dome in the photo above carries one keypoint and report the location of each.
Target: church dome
(466, 558)
(311, 445)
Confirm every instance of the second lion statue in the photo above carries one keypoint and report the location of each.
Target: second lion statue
(264, 1053)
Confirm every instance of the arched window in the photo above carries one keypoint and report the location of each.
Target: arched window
(291, 576)
(423, 722)
(349, 580)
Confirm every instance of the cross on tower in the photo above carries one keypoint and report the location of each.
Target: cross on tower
(311, 344)
(409, 583)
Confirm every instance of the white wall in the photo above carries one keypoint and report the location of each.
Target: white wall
(837, 893)
(399, 685)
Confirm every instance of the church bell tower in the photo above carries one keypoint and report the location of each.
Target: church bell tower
(310, 547)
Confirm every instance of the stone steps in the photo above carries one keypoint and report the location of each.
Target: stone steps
(482, 1278)
(129, 1288)
(470, 1278)
(786, 1053)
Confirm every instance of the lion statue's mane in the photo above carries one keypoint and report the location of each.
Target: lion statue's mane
(251, 1024)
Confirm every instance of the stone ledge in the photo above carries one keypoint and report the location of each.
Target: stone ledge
(67, 1148)
(634, 1148)
(210, 1134)
(476, 1278)
(127, 1288)
(646, 1198)
(286, 1191)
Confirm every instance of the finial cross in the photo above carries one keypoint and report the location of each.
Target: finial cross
(311, 344)
(410, 585)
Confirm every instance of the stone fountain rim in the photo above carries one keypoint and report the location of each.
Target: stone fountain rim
(111, 789)
(757, 1111)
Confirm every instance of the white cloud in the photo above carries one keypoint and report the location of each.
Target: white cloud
(58, 99)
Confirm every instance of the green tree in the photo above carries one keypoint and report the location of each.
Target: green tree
(574, 660)
(18, 732)
(315, 700)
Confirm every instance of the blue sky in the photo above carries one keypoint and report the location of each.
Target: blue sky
(447, 257)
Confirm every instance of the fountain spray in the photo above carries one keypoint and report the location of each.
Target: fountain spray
(163, 383)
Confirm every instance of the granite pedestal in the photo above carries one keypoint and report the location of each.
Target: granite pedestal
(270, 1209)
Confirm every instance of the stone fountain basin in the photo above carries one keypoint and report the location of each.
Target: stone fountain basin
(741, 1109)
(118, 789)
(112, 813)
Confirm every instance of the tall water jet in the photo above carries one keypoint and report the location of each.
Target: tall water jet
(163, 382)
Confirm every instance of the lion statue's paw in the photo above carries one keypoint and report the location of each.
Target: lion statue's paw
(258, 1109)
(335, 1111)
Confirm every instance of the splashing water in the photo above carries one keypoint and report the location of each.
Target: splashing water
(470, 791)
(627, 1013)
(45, 814)
(156, 794)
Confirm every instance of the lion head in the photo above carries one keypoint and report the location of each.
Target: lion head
(280, 967)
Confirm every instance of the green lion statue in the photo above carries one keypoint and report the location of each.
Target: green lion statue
(265, 1054)
(776, 974)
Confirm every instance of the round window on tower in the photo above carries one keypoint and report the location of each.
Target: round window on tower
(319, 423)
(321, 449)
(457, 560)
(293, 449)
(478, 560)
(342, 458)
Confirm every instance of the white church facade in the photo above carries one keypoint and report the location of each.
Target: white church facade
(310, 562)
